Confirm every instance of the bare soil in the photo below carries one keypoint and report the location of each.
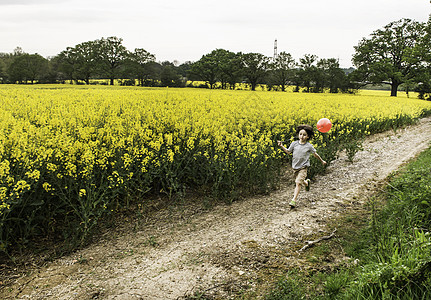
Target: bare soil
(184, 251)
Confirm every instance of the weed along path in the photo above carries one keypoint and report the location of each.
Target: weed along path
(230, 249)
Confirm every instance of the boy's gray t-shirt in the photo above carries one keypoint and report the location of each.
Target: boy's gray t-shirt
(301, 154)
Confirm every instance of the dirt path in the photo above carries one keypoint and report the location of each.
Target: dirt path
(220, 251)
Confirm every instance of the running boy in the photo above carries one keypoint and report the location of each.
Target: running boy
(301, 150)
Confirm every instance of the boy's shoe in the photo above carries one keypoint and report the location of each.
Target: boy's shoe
(307, 187)
(292, 204)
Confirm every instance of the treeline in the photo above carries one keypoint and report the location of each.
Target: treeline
(398, 55)
(108, 58)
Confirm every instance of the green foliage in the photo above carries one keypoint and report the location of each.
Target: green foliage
(336, 283)
(255, 67)
(309, 73)
(352, 148)
(27, 68)
(218, 66)
(287, 289)
(390, 55)
(400, 240)
(3, 74)
(282, 70)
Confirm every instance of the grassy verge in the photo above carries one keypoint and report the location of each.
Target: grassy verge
(386, 247)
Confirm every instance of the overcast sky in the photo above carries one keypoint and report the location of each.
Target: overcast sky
(184, 30)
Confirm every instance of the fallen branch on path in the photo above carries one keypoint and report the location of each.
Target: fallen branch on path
(311, 243)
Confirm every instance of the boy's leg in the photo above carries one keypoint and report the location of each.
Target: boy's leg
(303, 177)
(296, 193)
(307, 184)
(300, 176)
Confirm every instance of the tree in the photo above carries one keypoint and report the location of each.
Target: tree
(184, 69)
(169, 75)
(333, 76)
(55, 75)
(255, 67)
(68, 60)
(219, 65)
(2, 72)
(229, 64)
(138, 64)
(422, 77)
(233, 70)
(79, 62)
(388, 56)
(308, 72)
(110, 55)
(282, 69)
(86, 56)
(18, 52)
(152, 73)
(27, 67)
(6, 60)
(208, 68)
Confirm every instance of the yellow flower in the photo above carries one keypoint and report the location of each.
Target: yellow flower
(78, 133)
(47, 187)
(33, 175)
(82, 192)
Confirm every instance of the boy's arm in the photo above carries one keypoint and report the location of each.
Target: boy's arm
(280, 143)
(319, 158)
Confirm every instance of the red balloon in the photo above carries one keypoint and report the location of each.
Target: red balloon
(324, 125)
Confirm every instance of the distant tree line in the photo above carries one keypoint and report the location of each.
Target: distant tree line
(107, 58)
(397, 55)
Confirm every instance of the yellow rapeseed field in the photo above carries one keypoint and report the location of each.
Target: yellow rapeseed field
(76, 152)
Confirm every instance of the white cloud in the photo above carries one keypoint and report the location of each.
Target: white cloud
(28, 2)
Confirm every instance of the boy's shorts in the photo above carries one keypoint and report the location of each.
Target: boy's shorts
(300, 175)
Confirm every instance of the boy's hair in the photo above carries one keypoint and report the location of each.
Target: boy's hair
(307, 128)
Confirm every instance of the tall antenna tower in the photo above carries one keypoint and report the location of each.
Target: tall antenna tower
(275, 50)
